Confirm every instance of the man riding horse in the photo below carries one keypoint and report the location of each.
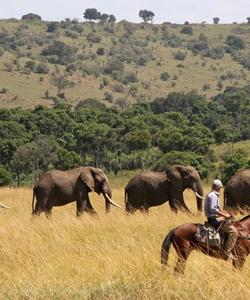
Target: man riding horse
(214, 215)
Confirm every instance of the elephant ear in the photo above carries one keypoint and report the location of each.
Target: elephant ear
(87, 178)
(175, 177)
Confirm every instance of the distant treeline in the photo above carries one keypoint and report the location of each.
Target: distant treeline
(176, 129)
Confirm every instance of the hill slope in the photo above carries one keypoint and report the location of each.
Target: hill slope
(117, 63)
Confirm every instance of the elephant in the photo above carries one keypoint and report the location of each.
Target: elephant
(155, 188)
(57, 188)
(237, 192)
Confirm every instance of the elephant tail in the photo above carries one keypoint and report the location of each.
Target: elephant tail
(166, 247)
(125, 197)
(33, 199)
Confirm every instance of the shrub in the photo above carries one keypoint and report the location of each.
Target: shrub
(30, 65)
(122, 102)
(164, 76)
(52, 26)
(100, 51)
(108, 97)
(187, 30)
(61, 53)
(41, 68)
(92, 38)
(118, 88)
(129, 77)
(180, 55)
(235, 42)
(216, 53)
(114, 65)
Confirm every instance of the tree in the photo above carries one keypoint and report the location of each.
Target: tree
(111, 19)
(216, 20)
(103, 18)
(233, 163)
(146, 15)
(248, 20)
(61, 83)
(52, 26)
(32, 17)
(91, 14)
(5, 176)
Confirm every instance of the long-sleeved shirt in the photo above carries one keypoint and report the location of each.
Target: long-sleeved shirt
(212, 204)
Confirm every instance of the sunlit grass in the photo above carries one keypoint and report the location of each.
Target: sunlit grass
(111, 256)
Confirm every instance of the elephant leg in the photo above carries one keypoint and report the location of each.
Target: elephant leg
(89, 207)
(81, 204)
(172, 206)
(107, 204)
(178, 201)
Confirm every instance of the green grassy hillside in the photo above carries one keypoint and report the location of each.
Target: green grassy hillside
(139, 53)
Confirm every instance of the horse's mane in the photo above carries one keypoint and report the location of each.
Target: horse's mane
(243, 219)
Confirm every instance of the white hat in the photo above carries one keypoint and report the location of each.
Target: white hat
(218, 183)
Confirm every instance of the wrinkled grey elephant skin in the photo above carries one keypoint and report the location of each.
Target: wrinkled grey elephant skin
(149, 189)
(57, 188)
(237, 192)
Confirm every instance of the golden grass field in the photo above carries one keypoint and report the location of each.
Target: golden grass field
(112, 256)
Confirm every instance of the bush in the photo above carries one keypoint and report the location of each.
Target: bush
(200, 46)
(180, 55)
(108, 97)
(92, 38)
(216, 53)
(187, 30)
(129, 77)
(52, 26)
(235, 42)
(164, 76)
(41, 69)
(100, 51)
(5, 176)
(114, 65)
(118, 88)
(61, 53)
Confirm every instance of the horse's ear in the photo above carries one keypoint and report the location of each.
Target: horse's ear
(87, 178)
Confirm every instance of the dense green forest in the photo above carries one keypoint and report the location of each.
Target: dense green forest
(176, 129)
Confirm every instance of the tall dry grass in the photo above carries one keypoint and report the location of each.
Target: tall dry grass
(111, 256)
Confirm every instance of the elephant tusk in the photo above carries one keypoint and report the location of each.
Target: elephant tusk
(4, 206)
(109, 199)
(199, 196)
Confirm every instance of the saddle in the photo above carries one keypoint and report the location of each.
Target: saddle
(208, 235)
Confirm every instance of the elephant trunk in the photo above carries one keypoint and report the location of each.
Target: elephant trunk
(198, 190)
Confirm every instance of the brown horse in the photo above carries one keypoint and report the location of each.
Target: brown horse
(184, 241)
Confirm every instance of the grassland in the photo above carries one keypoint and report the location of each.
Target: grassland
(112, 256)
(28, 90)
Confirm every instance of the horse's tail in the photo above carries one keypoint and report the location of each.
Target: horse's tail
(165, 247)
